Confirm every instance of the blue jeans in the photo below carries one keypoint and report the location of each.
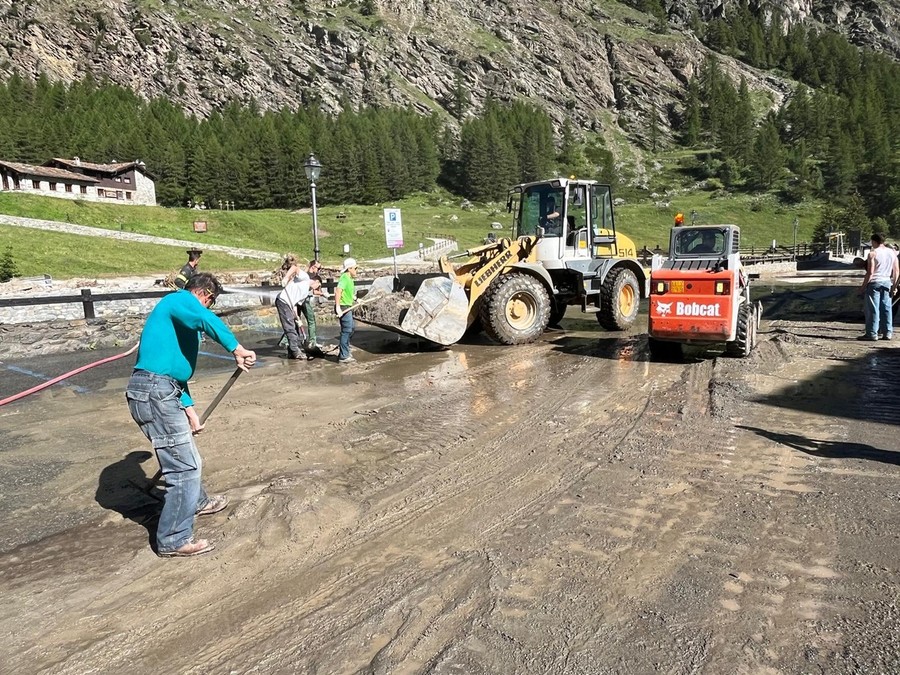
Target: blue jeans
(879, 310)
(346, 332)
(155, 404)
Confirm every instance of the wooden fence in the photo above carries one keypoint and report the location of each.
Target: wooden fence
(88, 298)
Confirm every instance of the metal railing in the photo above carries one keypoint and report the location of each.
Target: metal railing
(755, 254)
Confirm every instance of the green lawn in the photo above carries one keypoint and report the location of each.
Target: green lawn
(760, 220)
(66, 256)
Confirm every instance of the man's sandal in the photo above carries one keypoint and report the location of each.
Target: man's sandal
(189, 550)
(213, 505)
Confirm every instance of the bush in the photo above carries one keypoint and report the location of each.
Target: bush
(7, 265)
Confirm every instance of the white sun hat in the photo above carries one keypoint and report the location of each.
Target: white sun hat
(349, 263)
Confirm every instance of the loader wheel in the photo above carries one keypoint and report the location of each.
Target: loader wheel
(619, 300)
(743, 339)
(515, 309)
(663, 350)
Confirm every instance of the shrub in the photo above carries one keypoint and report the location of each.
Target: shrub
(8, 265)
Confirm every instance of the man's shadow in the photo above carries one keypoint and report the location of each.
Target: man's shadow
(123, 487)
(829, 449)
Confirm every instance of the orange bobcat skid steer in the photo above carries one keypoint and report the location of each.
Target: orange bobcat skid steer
(699, 294)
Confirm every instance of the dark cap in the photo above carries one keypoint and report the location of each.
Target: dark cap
(194, 250)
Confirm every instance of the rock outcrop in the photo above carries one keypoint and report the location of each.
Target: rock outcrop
(603, 65)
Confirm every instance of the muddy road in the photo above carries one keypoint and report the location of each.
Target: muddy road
(562, 507)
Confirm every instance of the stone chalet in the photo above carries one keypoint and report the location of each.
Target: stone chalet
(119, 182)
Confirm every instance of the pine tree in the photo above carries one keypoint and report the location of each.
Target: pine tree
(767, 157)
(756, 47)
(853, 216)
(568, 149)
(461, 99)
(692, 115)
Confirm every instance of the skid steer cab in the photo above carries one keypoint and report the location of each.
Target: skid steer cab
(565, 251)
(700, 294)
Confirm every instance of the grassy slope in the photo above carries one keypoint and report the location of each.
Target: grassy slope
(66, 256)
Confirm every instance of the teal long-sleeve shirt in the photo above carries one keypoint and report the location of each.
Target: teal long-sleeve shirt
(170, 340)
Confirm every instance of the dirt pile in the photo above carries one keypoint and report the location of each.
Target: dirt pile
(389, 309)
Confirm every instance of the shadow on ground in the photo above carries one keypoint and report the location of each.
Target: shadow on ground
(123, 487)
(861, 388)
(828, 449)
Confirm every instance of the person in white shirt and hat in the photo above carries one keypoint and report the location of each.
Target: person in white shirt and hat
(296, 290)
(344, 296)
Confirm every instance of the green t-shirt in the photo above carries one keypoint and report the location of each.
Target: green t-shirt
(347, 289)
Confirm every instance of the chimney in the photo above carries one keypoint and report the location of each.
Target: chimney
(78, 161)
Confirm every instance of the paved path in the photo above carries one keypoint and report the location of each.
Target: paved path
(433, 252)
(56, 226)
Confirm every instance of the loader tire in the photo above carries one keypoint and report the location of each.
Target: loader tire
(515, 309)
(742, 344)
(665, 351)
(619, 300)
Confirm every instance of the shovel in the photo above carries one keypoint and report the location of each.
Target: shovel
(205, 416)
(370, 297)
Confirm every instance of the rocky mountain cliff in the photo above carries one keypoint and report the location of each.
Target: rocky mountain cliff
(602, 64)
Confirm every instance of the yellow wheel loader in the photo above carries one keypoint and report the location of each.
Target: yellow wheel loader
(565, 251)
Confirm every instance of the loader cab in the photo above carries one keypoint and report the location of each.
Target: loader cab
(574, 219)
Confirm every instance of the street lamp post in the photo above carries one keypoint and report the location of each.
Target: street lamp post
(313, 169)
(796, 224)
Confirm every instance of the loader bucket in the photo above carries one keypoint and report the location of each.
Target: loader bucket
(434, 307)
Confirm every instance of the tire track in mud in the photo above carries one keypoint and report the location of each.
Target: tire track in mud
(763, 588)
(513, 483)
(424, 504)
(682, 515)
(469, 473)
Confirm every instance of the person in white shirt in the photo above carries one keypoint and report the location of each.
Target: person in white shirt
(878, 285)
(296, 290)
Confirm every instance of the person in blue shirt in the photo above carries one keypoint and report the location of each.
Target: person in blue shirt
(161, 404)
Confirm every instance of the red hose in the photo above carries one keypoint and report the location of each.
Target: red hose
(66, 376)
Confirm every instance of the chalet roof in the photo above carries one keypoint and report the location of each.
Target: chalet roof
(113, 168)
(48, 172)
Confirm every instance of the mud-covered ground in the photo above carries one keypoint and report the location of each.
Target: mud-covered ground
(562, 507)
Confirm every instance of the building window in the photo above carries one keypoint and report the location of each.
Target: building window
(127, 179)
(53, 187)
(128, 195)
(68, 187)
(83, 189)
(101, 192)
(119, 194)
(118, 179)
(36, 184)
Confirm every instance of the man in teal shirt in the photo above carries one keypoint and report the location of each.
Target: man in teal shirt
(344, 295)
(160, 403)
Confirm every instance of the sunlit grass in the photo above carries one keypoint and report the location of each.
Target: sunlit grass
(424, 216)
